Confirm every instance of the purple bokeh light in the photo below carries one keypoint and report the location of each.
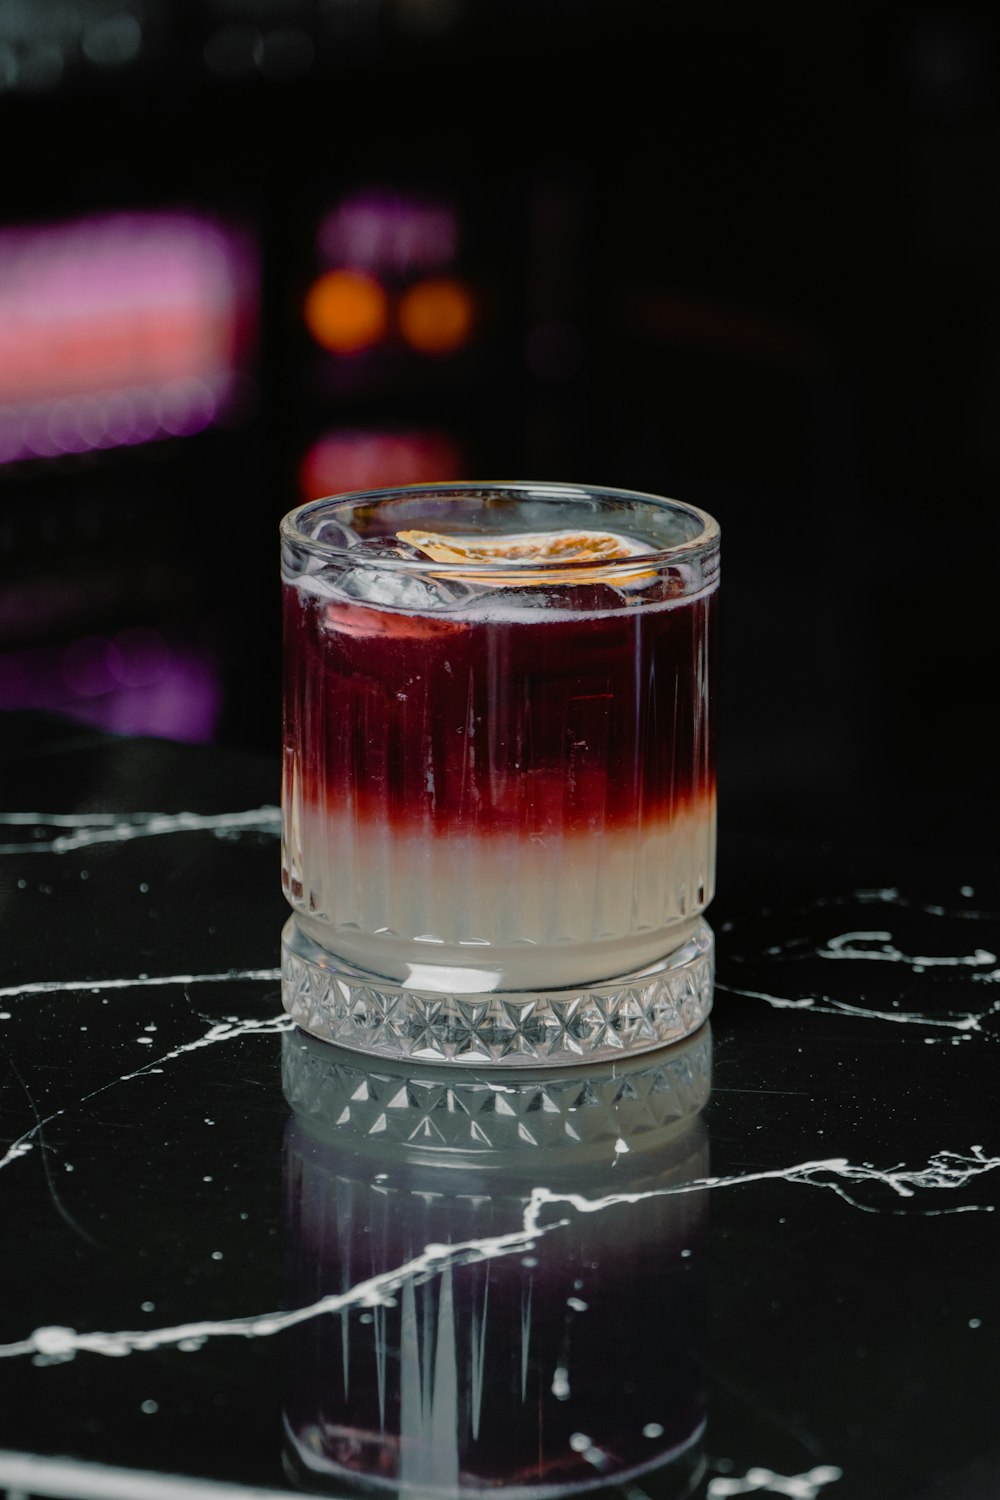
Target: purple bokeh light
(393, 233)
(134, 682)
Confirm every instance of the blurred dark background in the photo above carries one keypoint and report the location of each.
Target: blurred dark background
(255, 251)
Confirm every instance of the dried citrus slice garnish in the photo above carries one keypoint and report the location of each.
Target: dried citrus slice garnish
(525, 548)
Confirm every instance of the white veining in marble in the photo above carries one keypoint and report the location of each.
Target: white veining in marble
(963, 1021)
(864, 946)
(226, 1030)
(765, 1481)
(847, 946)
(141, 981)
(945, 1170)
(117, 828)
(55, 1344)
(891, 895)
(24, 1474)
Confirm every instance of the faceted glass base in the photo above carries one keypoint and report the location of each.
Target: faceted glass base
(632, 1013)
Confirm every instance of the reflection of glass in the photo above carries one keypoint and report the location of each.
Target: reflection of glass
(546, 1335)
(499, 782)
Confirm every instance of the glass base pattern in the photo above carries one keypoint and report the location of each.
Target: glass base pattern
(573, 1115)
(630, 1014)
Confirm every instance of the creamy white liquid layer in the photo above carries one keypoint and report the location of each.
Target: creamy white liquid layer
(466, 913)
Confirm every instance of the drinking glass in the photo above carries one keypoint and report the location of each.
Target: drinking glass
(498, 771)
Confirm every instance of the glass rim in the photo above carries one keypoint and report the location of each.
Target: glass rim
(702, 542)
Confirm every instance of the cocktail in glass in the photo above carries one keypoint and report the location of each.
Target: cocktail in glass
(499, 777)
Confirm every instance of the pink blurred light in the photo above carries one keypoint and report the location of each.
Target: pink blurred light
(118, 329)
(355, 459)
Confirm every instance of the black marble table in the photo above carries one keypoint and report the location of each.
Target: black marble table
(234, 1261)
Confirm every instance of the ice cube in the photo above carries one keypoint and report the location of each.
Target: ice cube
(333, 533)
(399, 588)
(318, 578)
(383, 586)
(381, 546)
(367, 575)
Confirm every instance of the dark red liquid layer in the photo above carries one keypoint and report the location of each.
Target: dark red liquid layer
(532, 723)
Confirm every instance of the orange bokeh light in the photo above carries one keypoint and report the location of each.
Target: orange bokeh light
(436, 315)
(346, 311)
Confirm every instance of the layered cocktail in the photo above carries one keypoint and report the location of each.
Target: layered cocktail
(499, 782)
